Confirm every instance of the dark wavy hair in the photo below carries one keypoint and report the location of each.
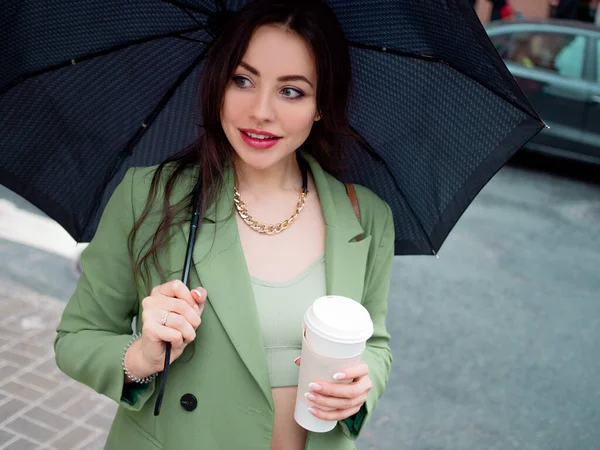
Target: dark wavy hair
(211, 154)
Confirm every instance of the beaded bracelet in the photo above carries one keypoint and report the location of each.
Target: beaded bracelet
(145, 380)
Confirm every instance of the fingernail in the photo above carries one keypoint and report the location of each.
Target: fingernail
(311, 397)
(296, 360)
(339, 376)
(313, 411)
(198, 293)
(315, 386)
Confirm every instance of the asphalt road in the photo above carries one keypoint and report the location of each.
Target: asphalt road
(497, 343)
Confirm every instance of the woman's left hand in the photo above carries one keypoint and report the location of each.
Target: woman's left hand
(347, 399)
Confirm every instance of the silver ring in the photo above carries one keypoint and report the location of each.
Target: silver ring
(165, 318)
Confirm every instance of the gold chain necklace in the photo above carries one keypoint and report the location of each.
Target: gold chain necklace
(260, 227)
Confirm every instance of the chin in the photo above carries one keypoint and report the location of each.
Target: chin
(261, 159)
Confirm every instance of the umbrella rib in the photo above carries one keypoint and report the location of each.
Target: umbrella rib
(377, 156)
(187, 8)
(189, 39)
(190, 15)
(435, 59)
(393, 51)
(104, 52)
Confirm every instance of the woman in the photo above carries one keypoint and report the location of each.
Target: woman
(273, 94)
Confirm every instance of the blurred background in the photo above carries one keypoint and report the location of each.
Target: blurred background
(583, 10)
(496, 344)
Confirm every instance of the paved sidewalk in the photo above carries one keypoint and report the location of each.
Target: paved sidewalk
(40, 407)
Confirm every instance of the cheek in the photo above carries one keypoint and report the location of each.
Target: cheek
(233, 107)
(299, 120)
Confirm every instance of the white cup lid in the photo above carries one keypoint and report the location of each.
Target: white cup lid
(339, 319)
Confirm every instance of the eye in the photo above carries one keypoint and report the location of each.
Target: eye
(241, 81)
(292, 93)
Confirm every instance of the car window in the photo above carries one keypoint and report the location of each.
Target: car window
(502, 44)
(569, 60)
(556, 52)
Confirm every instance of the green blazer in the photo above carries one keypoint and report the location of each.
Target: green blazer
(225, 369)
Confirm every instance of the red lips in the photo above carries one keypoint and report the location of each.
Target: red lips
(253, 131)
(257, 143)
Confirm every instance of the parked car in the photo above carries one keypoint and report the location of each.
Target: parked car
(557, 65)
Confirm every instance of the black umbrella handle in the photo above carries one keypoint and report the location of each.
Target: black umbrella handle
(184, 278)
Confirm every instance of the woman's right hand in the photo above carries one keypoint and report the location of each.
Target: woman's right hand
(146, 356)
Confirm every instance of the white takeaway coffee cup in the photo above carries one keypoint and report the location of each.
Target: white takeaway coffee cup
(335, 332)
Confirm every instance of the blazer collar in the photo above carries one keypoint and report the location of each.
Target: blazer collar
(221, 268)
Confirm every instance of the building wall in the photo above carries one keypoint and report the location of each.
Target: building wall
(538, 9)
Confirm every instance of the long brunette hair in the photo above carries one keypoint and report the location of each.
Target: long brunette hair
(211, 154)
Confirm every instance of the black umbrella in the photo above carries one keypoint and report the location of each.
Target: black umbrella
(90, 88)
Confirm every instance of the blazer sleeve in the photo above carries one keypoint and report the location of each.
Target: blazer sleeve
(377, 354)
(96, 324)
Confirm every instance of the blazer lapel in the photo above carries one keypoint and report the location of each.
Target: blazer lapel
(220, 264)
(345, 259)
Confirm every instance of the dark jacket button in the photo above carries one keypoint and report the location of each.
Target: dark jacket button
(188, 402)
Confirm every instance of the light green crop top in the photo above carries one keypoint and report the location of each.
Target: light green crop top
(281, 308)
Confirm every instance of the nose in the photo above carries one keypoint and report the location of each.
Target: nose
(263, 109)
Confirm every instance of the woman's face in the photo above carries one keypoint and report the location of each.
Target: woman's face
(270, 103)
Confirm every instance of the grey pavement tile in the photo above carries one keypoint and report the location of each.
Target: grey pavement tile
(41, 328)
(5, 436)
(14, 328)
(60, 398)
(45, 335)
(21, 391)
(16, 308)
(10, 408)
(46, 365)
(51, 319)
(49, 369)
(52, 419)
(31, 430)
(99, 421)
(36, 351)
(99, 442)
(7, 335)
(110, 409)
(58, 376)
(38, 381)
(82, 406)
(22, 444)
(15, 358)
(74, 438)
(7, 370)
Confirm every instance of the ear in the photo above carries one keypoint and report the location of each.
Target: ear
(317, 117)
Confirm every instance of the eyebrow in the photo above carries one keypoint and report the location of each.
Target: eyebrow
(255, 72)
